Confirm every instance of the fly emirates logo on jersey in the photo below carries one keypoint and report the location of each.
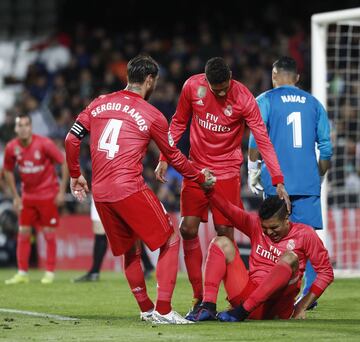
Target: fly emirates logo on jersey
(211, 123)
(272, 254)
(116, 106)
(30, 168)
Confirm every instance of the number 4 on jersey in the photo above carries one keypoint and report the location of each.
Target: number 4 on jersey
(109, 138)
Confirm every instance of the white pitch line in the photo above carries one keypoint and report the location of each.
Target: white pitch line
(39, 314)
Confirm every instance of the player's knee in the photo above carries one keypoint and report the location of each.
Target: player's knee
(226, 245)
(227, 231)
(188, 231)
(291, 258)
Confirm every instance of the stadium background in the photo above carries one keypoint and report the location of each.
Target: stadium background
(57, 55)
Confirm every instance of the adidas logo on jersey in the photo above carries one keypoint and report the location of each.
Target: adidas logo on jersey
(200, 102)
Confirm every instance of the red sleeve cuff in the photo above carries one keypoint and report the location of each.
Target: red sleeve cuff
(75, 174)
(317, 291)
(162, 158)
(277, 180)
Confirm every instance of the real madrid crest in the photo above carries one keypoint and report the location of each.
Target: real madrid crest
(290, 245)
(201, 92)
(228, 110)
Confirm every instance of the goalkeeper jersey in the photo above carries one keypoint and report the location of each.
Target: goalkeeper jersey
(295, 121)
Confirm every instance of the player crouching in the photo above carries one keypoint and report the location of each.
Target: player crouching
(279, 252)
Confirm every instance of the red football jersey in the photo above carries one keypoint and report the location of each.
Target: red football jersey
(36, 166)
(302, 239)
(121, 126)
(217, 127)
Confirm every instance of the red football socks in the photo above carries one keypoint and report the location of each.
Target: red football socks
(135, 277)
(278, 278)
(23, 251)
(236, 279)
(193, 261)
(215, 269)
(166, 272)
(50, 238)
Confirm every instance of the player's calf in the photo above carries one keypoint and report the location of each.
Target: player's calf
(193, 254)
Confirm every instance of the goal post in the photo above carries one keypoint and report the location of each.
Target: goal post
(335, 82)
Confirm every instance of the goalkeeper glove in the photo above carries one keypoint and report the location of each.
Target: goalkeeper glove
(254, 177)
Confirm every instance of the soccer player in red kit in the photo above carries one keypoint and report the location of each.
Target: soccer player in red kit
(35, 156)
(279, 252)
(219, 108)
(121, 126)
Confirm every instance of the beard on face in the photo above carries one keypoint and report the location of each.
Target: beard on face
(149, 92)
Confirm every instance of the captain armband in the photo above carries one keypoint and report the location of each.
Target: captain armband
(78, 130)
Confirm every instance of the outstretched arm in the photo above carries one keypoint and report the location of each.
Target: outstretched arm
(258, 129)
(319, 258)
(241, 219)
(266, 148)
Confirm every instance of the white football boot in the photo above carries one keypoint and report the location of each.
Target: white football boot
(147, 315)
(171, 318)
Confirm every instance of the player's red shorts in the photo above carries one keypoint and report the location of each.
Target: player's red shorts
(279, 305)
(195, 203)
(139, 216)
(43, 213)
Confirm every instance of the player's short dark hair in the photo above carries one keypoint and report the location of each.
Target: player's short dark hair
(23, 115)
(272, 206)
(286, 63)
(140, 67)
(217, 70)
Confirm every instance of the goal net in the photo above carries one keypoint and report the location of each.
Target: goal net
(336, 83)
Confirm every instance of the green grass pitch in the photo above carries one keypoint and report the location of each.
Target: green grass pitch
(106, 311)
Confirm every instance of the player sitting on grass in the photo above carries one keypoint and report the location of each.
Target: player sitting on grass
(279, 252)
